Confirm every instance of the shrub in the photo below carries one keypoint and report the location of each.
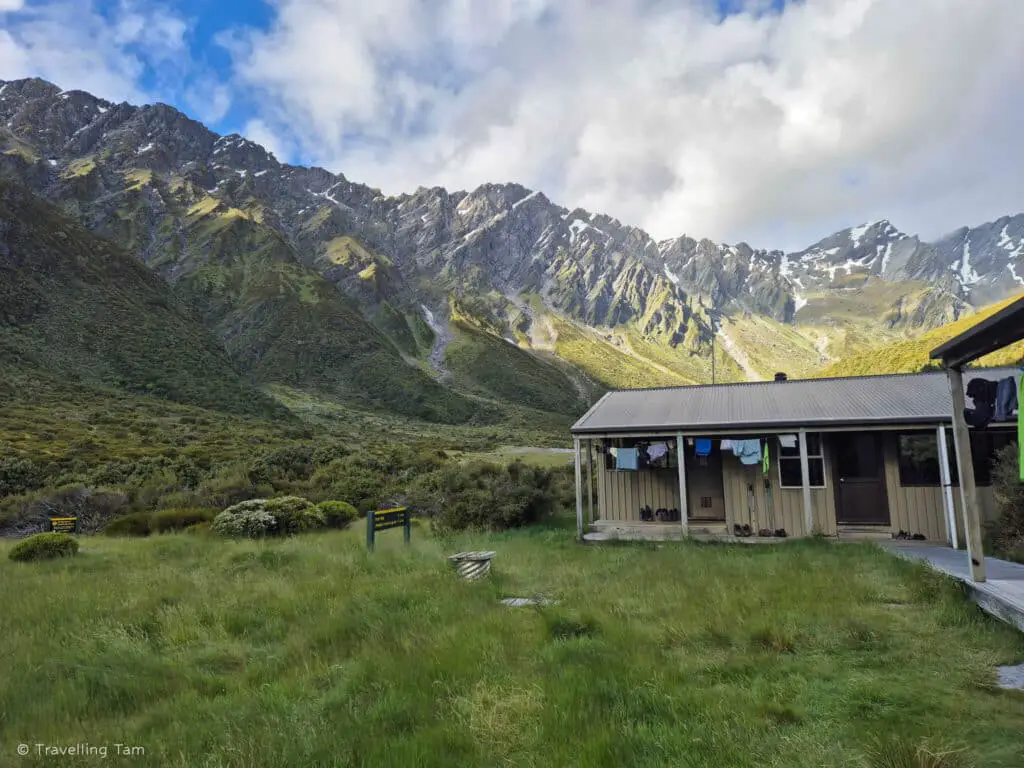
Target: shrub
(1007, 530)
(294, 514)
(266, 517)
(44, 546)
(138, 524)
(19, 476)
(253, 522)
(200, 529)
(337, 514)
(179, 519)
(485, 496)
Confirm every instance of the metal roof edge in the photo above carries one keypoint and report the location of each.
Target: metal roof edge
(591, 410)
(946, 418)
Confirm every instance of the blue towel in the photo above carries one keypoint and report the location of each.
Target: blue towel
(703, 446)
(749, 451)
(626, 458)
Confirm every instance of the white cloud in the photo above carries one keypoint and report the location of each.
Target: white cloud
(774, 128)
(72, 44)
(258, 131)
(9, 6)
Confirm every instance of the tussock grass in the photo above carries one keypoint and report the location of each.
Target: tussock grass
(311, 652)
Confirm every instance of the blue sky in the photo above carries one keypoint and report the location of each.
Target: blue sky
(731, 119)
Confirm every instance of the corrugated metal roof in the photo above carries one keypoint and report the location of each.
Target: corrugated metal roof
(893, 399)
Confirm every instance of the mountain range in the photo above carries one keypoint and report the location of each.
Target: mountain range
(447, 306)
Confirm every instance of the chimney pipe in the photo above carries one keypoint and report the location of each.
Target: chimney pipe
(780, 376)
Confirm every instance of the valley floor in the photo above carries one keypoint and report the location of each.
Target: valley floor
(312, 652)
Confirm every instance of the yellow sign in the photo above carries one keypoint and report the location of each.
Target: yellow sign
(64, 524)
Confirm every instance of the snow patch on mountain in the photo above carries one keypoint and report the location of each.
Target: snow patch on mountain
(966, 272)
(671, 276)
(525, 199)
(856, 233)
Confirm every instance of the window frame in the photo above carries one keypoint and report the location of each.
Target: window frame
(811, 457)
(938, 458)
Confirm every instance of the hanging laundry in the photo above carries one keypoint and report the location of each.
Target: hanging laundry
(749, 451)
(787, 441)
(983, 393)
(703, 446)
(627, 459)
(1006, 399)
(656, 450)
(726, 445)
(765, 464)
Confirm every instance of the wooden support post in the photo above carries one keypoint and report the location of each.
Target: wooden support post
(947, 489)
(681, 460)
(965, 466)
(590, 482)
(805, 474)
(579, 488)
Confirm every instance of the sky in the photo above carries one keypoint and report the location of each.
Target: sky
(766, 121)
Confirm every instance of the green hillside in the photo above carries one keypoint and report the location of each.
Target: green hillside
(493, 367)
(77, 308)
(912, 355)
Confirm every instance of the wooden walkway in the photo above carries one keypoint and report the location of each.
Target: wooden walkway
(1002, 594)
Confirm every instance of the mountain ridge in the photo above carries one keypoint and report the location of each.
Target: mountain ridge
(631, 309)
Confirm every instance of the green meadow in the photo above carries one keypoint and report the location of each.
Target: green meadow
(311, 652)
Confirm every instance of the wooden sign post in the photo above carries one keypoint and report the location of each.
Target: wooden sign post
(63, 524)
(382, 519)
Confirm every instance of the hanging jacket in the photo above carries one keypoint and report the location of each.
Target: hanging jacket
(1006, 399)
(983, 393)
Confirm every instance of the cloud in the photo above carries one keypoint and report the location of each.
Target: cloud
(73, 44)
(770, 126)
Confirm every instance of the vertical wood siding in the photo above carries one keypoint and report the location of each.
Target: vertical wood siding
(919, 509)
(621, 494)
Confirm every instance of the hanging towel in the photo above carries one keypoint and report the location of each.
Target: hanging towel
(656, 450)
(1006, 399)
(749, 451)
(765, 464)
(726, 445)
(703, 446)
(627, 458)
(787, 441)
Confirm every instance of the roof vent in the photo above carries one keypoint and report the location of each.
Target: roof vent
(780, 376)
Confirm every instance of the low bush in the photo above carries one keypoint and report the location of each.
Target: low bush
(44, 546)
(167, 520)
(138, 524)
(19, 476)
(486, 496)
(252, 522)
(1007, 530)
(255, 518)
(337, 514)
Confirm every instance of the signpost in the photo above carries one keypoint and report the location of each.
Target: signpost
(382, 519)
(64, 524)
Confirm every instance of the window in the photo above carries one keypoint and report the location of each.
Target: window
(919, 459)
(919, 456)
(985, 444)
(790, 475)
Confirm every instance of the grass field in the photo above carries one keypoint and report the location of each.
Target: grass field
(310, 652)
